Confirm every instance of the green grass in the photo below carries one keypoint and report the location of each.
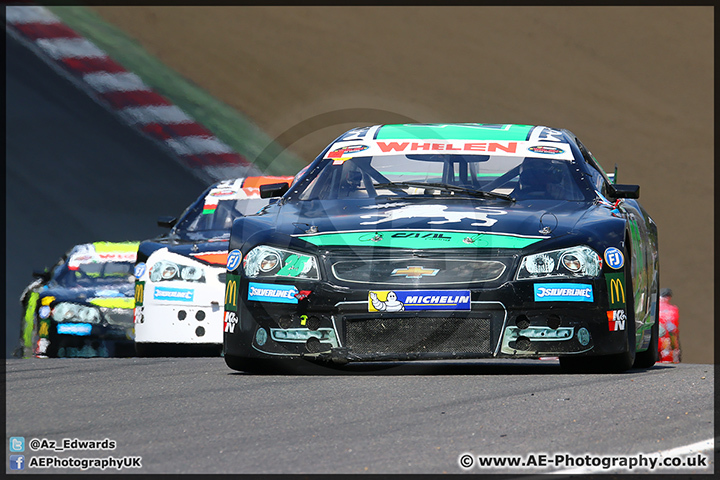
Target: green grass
(229, 125)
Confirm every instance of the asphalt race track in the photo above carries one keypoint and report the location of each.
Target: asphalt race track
(195, 415)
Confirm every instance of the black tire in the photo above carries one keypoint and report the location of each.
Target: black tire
(280, 366)
(649, 357)
(260, 365)
(145, 350)
(618, 362)
(242, 364)
(177, 350)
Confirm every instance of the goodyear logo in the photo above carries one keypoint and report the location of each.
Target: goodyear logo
(139, 293)
(232, 283)
(401, 300)
(616, 290)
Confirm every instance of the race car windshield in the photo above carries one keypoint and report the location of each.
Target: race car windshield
(220, 216)
(87, 274)
(484, 176)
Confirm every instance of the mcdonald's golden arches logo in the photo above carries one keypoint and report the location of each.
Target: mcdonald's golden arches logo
(139, 293)
(616, 289)
(231, 292)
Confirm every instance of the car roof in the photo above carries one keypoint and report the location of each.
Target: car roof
(457, 138)
(461, 131)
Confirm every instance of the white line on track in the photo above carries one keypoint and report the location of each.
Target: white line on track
(698, 447)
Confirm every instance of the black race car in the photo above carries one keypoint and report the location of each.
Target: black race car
(83, 307)
(430, 241)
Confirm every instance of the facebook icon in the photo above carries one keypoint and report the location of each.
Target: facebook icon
(17, 462)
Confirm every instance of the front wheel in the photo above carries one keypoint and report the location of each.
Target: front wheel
(281, 366)
(177, 350)
(648, 358)
(618, 362)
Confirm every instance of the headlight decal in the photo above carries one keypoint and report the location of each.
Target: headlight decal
(573, 262)
(165, 270)
(268, 262)
(73, 312)
(296, 265)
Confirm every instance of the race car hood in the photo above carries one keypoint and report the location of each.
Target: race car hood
(537, 219)
(204, 236)
(213, 252)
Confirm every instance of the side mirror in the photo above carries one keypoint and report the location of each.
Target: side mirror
(273, 190)
(625, 191)
(42, 274)
(166, 221)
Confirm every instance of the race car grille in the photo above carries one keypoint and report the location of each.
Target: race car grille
(419, 335)
(416, 271)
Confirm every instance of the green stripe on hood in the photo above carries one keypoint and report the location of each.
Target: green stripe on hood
(420, 239)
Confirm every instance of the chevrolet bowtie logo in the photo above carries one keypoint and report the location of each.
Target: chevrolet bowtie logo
(415, 272)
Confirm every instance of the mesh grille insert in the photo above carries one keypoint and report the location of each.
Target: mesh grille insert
(419, 335)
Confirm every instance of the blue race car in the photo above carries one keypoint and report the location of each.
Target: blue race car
(83, 307)
(444, 241)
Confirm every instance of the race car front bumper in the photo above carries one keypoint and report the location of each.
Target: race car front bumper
(341, 324)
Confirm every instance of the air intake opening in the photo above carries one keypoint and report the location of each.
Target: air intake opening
(522, 322)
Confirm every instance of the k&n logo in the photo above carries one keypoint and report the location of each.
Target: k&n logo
(616, 320)
(231, 321)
